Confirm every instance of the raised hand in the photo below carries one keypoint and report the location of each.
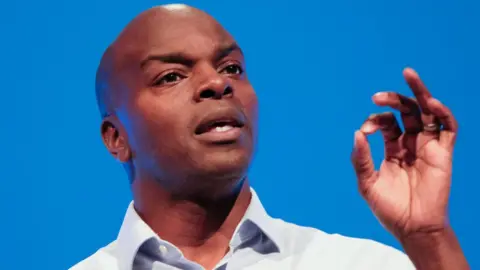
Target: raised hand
(410, 191)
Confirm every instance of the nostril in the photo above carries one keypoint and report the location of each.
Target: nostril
(208, 93)
(228, 91)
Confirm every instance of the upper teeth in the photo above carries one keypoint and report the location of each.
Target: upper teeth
(223, 128)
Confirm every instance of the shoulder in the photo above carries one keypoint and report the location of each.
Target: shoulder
(103, 259)
(315, 243)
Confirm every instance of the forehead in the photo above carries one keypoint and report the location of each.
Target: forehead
(192, 33)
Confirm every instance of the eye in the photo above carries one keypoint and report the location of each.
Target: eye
(169, 78)
(232, 69)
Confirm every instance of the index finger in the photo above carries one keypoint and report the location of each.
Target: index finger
(418, 88)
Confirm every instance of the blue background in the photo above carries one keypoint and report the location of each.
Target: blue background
(61, 194)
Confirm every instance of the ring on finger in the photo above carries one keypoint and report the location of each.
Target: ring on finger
(431, 127)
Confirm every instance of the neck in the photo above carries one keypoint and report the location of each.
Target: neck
(195, 226)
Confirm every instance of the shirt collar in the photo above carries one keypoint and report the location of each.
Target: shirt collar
(134, 231)
(257, 215)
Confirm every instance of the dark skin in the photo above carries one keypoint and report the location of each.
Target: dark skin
(170, 70)
(174, 68)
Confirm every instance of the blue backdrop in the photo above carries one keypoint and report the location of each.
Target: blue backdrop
(61, 194)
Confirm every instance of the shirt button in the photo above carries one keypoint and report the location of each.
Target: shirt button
(163, 249)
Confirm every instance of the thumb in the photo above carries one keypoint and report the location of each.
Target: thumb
(362, 158)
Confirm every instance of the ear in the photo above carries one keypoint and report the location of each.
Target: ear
(114, 139)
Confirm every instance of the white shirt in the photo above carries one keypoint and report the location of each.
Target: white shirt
(260, 242)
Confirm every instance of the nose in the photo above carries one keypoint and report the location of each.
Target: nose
(215, 86)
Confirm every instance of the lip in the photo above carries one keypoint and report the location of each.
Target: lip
(225, 137)
(224, 116)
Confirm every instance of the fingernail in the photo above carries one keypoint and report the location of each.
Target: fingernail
(434, 101)
(410, 70)
(367, 127)
(379, 95)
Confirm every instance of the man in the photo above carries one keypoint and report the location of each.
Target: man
(180, 114)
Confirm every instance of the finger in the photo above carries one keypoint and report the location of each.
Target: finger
(386, 123)
(447, 120)
(362, 158)
(443, 114)
(410, 112)
(396, 101)
(418, 88)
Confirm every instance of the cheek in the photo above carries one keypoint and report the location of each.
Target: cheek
(249, 102)
(252, 107)
(155, 124)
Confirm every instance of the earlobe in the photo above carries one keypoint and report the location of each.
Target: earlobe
(114, 139)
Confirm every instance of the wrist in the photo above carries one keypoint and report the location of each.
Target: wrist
(429, 239)
(438, 249)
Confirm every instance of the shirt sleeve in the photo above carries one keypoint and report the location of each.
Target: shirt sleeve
(368, 254)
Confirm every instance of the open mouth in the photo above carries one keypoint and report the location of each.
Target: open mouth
(218, 125)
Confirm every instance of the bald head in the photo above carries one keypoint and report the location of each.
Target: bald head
(170, 74)
(150, 29)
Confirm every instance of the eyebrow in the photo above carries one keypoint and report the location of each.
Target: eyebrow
(183, 59)
(224, 51)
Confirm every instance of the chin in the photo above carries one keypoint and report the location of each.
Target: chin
(216, 173)
(225, 164)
